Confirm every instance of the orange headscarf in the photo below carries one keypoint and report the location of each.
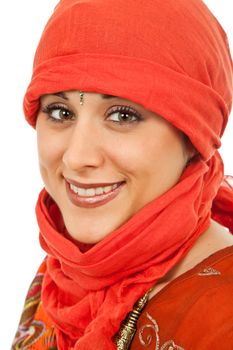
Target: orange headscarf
(173, 58)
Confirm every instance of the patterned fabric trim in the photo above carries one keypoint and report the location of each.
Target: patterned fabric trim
(168, 345)
(209, 271)
(35, 331)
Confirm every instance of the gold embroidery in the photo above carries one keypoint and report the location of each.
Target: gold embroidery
(128, 328)
(209, 271)
(169, 345)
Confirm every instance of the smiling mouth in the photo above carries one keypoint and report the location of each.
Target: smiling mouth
(92, 197)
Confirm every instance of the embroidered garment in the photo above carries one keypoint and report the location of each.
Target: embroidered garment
(194, 311)
(173, 58)
(35, 331)
(165, 322)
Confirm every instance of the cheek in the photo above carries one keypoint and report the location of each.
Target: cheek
(146, 147)
(166, 159)
(153, 156)
(50, 149)
(126, 153)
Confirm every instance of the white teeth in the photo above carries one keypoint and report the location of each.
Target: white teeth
(99, 190)
(90, 192)
(73, 188)
(80, 191)
(107, 189)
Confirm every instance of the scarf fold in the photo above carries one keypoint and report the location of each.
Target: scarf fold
(87, 295)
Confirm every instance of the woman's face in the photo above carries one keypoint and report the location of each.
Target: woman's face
(104, 160)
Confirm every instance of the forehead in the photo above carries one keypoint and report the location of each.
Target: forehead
(64, 95)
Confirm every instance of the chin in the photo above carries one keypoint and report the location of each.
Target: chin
(92, 229)
(89, 236)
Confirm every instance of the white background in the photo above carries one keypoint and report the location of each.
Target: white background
(21, 23)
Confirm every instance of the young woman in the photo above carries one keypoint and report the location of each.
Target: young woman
(129, 100)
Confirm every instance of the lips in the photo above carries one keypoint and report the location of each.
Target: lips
(92, 195)
(94, 185)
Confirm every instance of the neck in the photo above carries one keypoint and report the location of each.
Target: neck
(215, 238)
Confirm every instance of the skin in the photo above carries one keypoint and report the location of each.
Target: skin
(93, 147)
(215, 238)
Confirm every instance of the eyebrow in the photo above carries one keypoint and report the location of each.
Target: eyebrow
(63, 95)
(108, 96)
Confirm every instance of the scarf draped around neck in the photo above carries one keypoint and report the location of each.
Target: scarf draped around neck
(173, 58)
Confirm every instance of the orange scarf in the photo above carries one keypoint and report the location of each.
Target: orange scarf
(88, 295)
(173, 58)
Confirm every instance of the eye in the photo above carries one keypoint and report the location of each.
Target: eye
(123, 115)
(58, 113)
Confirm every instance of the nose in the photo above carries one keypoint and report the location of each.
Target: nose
(83, 147)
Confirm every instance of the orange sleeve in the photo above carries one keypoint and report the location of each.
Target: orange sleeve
(194, 312)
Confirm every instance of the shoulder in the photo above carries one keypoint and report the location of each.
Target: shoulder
(195, 311)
